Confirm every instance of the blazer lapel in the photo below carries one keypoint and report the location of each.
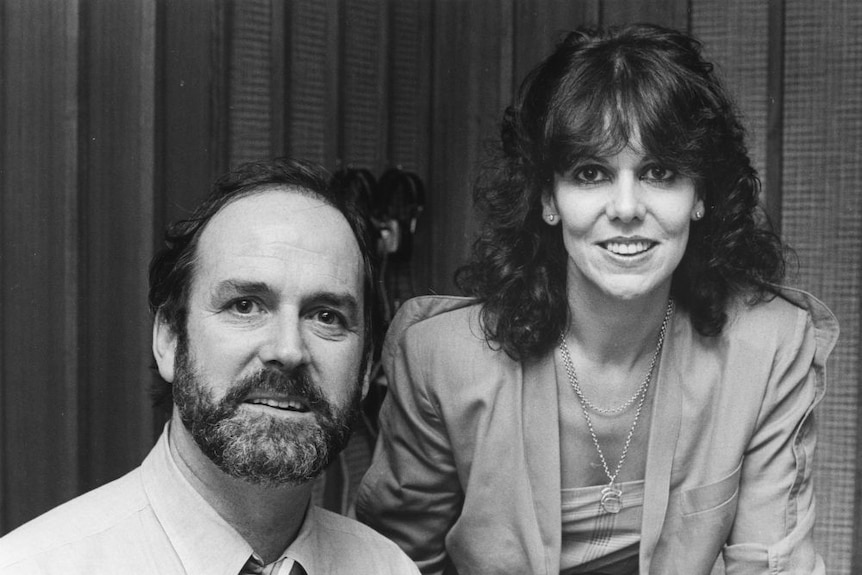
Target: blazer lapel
(663, 437)
(542, 453)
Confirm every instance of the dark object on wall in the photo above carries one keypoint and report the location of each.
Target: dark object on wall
(398, 200)
(358, 184)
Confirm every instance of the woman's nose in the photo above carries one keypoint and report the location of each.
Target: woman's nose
(284, 343)
(626, 201)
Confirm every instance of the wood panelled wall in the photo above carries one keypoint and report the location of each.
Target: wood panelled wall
(115, 117)
(76, 216)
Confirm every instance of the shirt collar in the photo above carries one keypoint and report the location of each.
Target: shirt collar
(307, 545)
(204, 542)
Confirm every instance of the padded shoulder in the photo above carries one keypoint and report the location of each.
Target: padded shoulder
(450, 316)
(780, 317)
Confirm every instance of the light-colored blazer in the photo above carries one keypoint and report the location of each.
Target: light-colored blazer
(466, 473)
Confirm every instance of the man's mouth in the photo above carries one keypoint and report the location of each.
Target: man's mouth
(283, 404)
(628, 247)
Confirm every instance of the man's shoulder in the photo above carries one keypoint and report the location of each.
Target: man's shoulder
(360, 546)
(334, 527)
(78, 523)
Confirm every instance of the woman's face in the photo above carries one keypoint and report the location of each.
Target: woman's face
(625, 220)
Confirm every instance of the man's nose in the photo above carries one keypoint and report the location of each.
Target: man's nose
(284, 344)
(626, 200)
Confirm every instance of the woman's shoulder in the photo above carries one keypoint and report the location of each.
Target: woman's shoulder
(782, 314)
(438, 323)
(435, 313)
(439, 342)
(439, 308)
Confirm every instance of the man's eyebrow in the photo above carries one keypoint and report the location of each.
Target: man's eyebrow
(342, 300)
(231, 288)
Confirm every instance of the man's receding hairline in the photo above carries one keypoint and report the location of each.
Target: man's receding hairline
(257, 189)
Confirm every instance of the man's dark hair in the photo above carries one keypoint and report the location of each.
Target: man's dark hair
(172, 268)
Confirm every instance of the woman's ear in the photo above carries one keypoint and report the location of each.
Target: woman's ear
(698, 211)
(164, 347)
(549, 208)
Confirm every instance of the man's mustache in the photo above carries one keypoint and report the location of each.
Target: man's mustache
(296, 383)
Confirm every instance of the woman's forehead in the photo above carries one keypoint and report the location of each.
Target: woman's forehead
(599, 138)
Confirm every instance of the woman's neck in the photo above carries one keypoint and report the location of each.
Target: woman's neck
(616, 331)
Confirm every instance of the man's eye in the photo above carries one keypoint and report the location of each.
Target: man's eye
(329, 317)
(244, 306)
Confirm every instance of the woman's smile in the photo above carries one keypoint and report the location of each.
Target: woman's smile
(628, 246)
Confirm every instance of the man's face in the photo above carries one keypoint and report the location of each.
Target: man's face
(268, 377)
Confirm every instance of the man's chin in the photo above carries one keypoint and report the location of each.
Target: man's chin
(269, 450)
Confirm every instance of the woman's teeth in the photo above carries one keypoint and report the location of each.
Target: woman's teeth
(627, 248)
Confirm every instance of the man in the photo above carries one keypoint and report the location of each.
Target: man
(263, 306)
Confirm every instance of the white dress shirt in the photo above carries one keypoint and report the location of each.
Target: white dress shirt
(153, 521)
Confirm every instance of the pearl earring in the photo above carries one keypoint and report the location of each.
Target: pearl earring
(698, 214)
(551, 218)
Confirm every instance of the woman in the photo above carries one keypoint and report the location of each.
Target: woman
(627, 390)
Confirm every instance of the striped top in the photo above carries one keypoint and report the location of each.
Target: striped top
(598, 542)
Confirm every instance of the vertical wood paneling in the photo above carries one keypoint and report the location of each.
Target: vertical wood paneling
(540, 24)
(775, 113)
(3, 113)
(250, 117)
(467, 106)
(192, 111)
(409, 134)
(735, 38)
(278, 78)
(312, 64)
(671, 13)
(39, 258)
(116, 242)
(363, 94)
(822, 209)
(409, 81)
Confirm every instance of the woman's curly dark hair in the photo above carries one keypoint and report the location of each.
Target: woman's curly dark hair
(585, 100)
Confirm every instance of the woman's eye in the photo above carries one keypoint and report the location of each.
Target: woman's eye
(590, 174)
(659, 174)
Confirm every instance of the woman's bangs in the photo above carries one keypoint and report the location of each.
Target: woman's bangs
(600, 110)
(587, 124)
(664, 121)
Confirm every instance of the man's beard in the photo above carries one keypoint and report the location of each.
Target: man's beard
(263, 449)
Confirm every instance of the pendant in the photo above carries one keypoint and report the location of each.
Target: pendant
(612, 499)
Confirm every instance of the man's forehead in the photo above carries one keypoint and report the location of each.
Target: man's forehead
(280, 212)
(267, 198)
(279, 227)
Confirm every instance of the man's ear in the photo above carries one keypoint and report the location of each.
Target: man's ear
(366, 378)
(164, 347)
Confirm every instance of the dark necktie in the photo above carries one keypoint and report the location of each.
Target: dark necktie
(255, 566)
